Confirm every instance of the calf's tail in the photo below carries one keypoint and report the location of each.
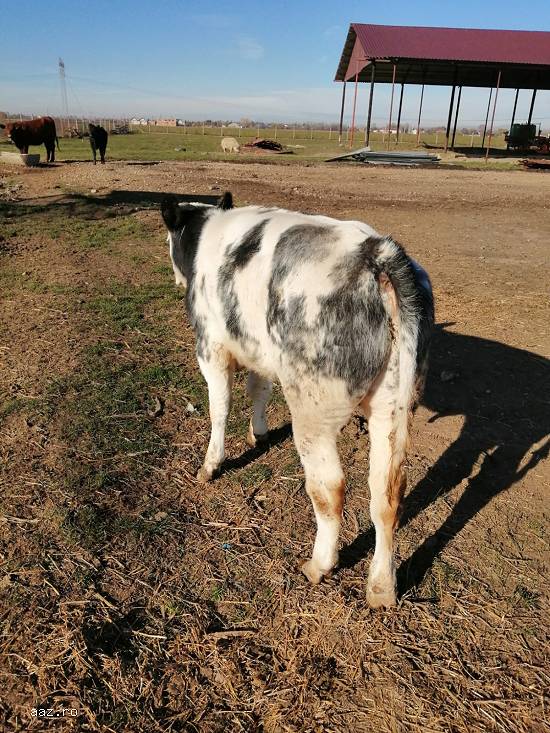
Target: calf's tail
(57, 141)
(409, 303)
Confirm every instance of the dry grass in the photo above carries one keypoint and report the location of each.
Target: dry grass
(151, 604)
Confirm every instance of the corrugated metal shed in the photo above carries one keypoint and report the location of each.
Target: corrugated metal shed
(469, 57)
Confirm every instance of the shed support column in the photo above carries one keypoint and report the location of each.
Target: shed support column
(419, 115)
(486, 118)
(513, 116)
(391, 104)
(532, 106)
(354, 108)
(450, 117)
(493, 116)
(456, 117)
(399, 113)
(342, 113)
(371, 95)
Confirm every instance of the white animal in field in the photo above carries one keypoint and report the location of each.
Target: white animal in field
(230, 145)
(340, 316)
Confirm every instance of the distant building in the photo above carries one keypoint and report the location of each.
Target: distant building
(138, 121)
(166, 123)
(233, 124)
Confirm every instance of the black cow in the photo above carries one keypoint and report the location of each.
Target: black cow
(98, 141)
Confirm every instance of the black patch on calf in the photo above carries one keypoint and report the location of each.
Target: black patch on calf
(236, 259)
(296, 245)
(185, 224)
(248, 246)
(350, 337)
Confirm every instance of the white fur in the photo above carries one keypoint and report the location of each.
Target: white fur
(320, 406)
(230, 145)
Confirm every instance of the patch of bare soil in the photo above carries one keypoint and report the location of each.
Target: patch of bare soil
(146, 603)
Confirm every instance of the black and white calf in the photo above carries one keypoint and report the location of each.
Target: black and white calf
(341, 316)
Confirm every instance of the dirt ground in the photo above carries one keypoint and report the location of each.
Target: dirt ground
(146, 602)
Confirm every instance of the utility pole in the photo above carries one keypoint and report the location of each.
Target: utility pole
(63, 85)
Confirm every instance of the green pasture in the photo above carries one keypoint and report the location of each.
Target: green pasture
(197, 143)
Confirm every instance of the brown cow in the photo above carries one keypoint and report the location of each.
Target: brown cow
(34, 132)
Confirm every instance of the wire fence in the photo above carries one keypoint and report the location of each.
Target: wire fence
(297, 135)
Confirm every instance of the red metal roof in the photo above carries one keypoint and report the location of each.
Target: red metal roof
(446, 56)
(454, 44)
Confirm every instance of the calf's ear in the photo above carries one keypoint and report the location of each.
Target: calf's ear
(226, 201)
(172, 213)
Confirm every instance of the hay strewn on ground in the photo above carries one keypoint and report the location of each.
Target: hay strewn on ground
(150, 603)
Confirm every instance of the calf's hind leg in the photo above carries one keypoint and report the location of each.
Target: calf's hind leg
(316, 428)
(259, 391)
(218, 373)
(387, 483)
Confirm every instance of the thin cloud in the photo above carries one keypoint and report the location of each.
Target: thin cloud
(249, 49)
(335, 31)
(213, 20)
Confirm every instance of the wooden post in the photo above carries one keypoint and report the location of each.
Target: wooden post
(391, 104)
(449, 118)
(342, 113)
(419, 115)
(371, 95)
(399, 113)
(493, 117)
(354, 104)
(532, 106)
(486, 118)
(456, 117)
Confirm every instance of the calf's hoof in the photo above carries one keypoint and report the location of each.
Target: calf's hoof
(314, 573)
(378, 598)
(204, 476)
(253, 439)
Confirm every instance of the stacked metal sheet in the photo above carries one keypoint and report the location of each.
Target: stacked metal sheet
(381, 157)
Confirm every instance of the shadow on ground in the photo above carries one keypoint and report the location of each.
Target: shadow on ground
(92, 205)
(501, 391)
(503, 394)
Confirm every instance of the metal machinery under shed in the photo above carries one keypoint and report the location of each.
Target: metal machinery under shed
(454, 57)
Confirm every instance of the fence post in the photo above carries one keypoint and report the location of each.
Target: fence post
(436, 138)
(330, 134)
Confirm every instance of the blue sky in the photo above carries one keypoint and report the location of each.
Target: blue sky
(226, 60)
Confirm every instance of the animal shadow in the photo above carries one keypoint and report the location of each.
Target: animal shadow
(502, 393)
